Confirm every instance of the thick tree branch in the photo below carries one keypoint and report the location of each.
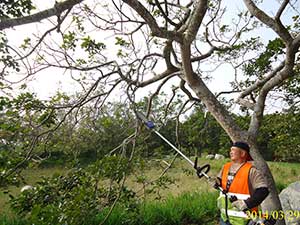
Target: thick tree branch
(207, 97)
(149, 19)
(278, 79)
(186, 91)
(166, 73)
(276, 25)
(260, 83)
(195, 21)
(281, 73)
(56, 10)
(167, 54)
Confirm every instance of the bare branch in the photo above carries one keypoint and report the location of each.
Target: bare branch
(226, 92)
(164, 14)
(281, 9)
(204, 56)
(170, 100)
(44, 35)
(156, 30)
(156, 93)
(55, 11)
(186, 91)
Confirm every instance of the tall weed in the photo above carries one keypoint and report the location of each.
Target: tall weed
(188, 208)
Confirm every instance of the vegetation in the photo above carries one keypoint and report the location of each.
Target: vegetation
(114, 50)
(184, 200)
(94, 170)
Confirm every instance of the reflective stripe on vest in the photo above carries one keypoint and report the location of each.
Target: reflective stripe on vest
(236, 213)
(239, 196)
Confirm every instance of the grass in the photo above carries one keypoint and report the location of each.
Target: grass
(8, 220)
(284, 173)
(31, 177)
(177, 200)
(187, 208)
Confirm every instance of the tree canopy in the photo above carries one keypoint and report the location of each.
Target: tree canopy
(127, 46)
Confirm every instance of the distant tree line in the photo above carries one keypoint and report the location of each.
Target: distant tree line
(92, 134)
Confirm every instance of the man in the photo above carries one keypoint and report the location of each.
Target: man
(244, 185)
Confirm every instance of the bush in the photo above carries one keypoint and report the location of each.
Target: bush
(76, 197)
(79, 198)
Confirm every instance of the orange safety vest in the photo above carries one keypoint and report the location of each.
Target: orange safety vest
(240, 183)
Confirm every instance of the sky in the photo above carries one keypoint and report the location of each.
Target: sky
(51, 80)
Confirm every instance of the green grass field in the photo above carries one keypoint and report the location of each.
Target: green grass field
(185, 180)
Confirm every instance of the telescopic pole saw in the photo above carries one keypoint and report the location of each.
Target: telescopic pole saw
(201, 171)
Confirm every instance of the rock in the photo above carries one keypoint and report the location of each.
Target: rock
(290, 201)
(26, 187)
(219, 156)
(210, 157)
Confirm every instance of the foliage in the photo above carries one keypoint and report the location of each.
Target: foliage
(197, 208)
(187, 208)
(203, 134)
(263, 63)
(153, 43)
(283, 136)
(91, 139)
(5, 220)
(76, 196)
(15, 8)
(21, 117)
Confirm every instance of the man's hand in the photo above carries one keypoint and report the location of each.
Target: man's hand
(240, 205)
(214, 182)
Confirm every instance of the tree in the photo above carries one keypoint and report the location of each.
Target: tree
(158, 41)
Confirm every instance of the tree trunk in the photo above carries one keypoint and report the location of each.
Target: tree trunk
(231, 128)
(272, 202)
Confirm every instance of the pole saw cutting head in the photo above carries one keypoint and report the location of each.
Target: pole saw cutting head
(149, 124)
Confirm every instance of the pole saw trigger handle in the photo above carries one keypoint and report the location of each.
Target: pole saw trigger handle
(201, 170)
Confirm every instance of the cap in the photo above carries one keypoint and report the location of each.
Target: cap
(244, 146)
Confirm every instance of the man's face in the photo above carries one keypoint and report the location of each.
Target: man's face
(236, 154)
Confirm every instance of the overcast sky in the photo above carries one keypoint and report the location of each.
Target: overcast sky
(46, 84)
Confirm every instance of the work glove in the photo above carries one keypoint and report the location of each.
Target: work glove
(240, 205)
(214, 182)
(269, 222)
(251, 222)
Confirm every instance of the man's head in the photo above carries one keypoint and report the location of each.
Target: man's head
(240, 152)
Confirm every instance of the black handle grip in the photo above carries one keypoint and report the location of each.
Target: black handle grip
(203, 169)
(233, 198)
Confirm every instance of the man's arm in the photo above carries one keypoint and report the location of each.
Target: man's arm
(257, 197)
(259, 188)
